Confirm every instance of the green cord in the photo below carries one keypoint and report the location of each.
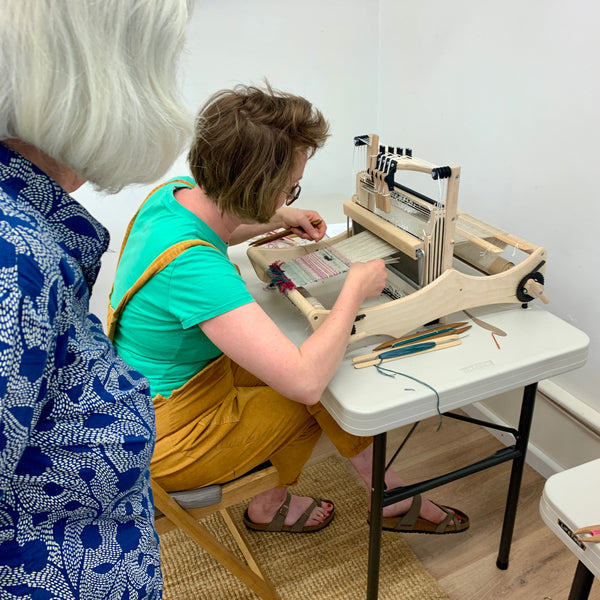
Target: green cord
(392, 373)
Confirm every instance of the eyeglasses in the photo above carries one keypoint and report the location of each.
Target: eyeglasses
(293, 195)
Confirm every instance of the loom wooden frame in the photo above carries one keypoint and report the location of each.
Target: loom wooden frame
(174, 516)
(450, 292)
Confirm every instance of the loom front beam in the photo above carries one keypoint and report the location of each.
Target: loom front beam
(445, 260)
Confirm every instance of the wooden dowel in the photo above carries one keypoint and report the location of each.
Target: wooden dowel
(280, 234)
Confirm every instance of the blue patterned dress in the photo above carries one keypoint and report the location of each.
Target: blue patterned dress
(76, 423)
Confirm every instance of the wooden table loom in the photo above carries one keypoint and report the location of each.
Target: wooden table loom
(439, 260)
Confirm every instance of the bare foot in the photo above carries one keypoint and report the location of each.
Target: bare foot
(263, 508)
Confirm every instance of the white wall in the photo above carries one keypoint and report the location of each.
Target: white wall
(509, 90)
(504, 88)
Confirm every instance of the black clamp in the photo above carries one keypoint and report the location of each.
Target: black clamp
(361, 140)
(441, 173)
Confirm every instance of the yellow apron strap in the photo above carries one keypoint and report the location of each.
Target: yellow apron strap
(156, 266)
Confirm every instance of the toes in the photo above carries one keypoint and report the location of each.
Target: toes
(319, 513)
(326, 508)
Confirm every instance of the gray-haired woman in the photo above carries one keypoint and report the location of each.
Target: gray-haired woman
(88, 93)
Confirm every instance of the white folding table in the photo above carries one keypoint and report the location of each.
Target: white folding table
(571, 501)
(538, 345)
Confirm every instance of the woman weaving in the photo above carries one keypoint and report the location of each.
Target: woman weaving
(230, 390)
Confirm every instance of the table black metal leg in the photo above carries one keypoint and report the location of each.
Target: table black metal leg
(582, 583)
(377, 486)
(516, 475)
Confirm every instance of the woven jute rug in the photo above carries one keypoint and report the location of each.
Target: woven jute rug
(330, 564)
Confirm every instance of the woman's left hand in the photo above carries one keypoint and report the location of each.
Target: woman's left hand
(306, 224)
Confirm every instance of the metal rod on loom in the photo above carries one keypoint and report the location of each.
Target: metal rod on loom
(441, 243)
(437, 254)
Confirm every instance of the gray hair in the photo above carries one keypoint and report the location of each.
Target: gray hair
(92, 83)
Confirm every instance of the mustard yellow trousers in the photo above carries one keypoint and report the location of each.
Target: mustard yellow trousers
(224, 422)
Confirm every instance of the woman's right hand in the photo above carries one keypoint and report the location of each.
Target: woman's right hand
(369, 276)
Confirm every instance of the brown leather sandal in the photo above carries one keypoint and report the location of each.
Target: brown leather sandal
(455, 521)
(277, 524)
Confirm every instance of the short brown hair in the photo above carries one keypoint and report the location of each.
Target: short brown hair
(245, 145)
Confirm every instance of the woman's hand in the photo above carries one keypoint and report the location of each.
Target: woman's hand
(306, 224)
(302, 222)
(370, 277)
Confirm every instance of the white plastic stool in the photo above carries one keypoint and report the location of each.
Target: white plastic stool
(571, 501)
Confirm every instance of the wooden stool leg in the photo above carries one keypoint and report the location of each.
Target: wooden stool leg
(195, 530)
(241, 542)
(582, 583)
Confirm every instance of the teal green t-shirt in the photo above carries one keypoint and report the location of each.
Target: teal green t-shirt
(158, 333)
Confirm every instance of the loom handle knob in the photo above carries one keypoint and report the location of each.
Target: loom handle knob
(536, 290)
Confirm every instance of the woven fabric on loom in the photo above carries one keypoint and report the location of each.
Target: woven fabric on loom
(336, 259)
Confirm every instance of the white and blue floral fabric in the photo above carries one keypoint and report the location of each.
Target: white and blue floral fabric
(76, 423)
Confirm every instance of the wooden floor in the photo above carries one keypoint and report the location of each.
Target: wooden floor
(541, 567)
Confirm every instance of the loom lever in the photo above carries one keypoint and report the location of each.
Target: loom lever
(536, 289)
(389, 178)
(532, 286)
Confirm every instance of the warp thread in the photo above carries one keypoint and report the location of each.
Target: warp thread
(328, 262)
